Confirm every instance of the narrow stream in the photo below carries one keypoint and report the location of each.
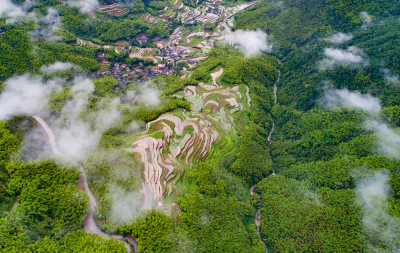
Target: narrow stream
(257, 219)
(89, 225)
(273, 121)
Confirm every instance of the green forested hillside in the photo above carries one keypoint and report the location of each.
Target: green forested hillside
(300, 32)
(312, 204)
(312, 168)
(41, 208)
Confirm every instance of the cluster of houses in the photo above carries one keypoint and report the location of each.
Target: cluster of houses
(171, 54)
(167, 57)
(142, 39)
(139, 71)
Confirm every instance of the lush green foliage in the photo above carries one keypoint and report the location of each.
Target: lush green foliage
(9, 144)
(15, 54)
(109, 30)
(317, 151)
(258, 73)
(216, 215)
(295, 219)
(299, 32)
(41, 208)
(48, 210)
(310, 205)
(167, 85)
(152, 232)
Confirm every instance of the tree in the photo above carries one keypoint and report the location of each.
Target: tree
(152, 232)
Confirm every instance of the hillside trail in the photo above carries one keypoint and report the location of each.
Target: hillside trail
(257, 219)
(89, 225)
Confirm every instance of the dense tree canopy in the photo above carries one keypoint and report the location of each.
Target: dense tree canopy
(306, 174)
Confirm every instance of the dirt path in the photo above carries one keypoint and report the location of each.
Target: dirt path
(224, 23)
(215, 75)
(248, 96)
(51, 139)
(89, 225)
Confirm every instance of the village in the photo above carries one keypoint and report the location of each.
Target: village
(151, 63)
(186, 46)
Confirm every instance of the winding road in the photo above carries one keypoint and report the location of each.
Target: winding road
(224, 23)
(89, 225)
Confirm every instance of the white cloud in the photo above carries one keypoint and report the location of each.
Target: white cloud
(75, 139)
(126, 205)
(388, 138)
(107, 115)
(12, 11)
(77, 133)
(34, 138)
(25, 95)
(80, 91)
(367, 19)
(379, 225)
(126, 202)
(57, 67)
(150, 96)
(334, 98)
(48, 25)
(128, 97)
(78, 137)
(352, 57)
(389, 77)
(250, 42)
(85, 6)
(135, 126)
(340, 37)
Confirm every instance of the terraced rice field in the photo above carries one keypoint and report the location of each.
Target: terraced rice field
(174, 141)
(114, 10)
(104, 66)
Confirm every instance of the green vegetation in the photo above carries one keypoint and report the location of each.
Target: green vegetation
(317, 152)
(152, 232)
(216, 215)
(46, 210)
(213, 218)
(111, 30)
(192, 3)
(15, 57)
(261, 73)
(168, 85)
(300, 31)
(296, 219)
(312, 203)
